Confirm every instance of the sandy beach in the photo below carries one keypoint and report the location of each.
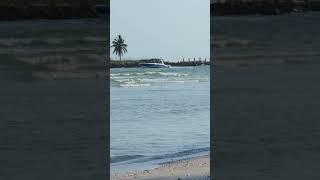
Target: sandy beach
(196, 168)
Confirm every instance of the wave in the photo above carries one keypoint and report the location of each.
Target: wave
(134, 85)
(144, 82)
(9, 42)
(124, 158)
(141, 158)
(140, 77)
(143, 79)
(182, 153)
(150, 73)
(235, 43)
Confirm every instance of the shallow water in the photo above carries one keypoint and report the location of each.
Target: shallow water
(158, 115)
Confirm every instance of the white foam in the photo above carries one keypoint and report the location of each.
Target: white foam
(134, 85)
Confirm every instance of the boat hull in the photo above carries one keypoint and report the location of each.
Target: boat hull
(154, 65)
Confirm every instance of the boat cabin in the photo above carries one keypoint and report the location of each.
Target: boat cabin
(160, 61)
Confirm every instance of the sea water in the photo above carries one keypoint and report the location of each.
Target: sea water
(158, 115)
(266, 116)
(50, 127)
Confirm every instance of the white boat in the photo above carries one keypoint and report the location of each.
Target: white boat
(153, 63)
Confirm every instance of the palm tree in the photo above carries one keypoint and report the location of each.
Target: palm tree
(119, 46)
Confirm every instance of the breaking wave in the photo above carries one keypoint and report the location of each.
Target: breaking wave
(143, 78)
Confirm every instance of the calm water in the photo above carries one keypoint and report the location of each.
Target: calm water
(158, 115)
(267, 116)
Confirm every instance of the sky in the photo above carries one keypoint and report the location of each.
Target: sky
(168, 29)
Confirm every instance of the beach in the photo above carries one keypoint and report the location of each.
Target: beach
(197, 168)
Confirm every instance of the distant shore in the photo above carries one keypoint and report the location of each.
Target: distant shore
(78, 10)
(94, 9)
(135, 63)
(197, 168)
(96, 69)
(263, 7)
(68, 67)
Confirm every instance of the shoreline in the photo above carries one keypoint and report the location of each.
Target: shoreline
(191, 168)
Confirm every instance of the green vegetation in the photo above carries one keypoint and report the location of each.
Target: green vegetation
(119, 46)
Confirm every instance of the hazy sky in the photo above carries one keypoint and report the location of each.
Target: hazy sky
(169, 29)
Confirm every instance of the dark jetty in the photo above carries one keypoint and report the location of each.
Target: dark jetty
(263, 7)
(52, 10)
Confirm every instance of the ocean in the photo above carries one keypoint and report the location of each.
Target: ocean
(266, 119)
(158, 115)
(270, 38)
(52, 129)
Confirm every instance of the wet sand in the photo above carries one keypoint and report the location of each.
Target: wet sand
(196, 168)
